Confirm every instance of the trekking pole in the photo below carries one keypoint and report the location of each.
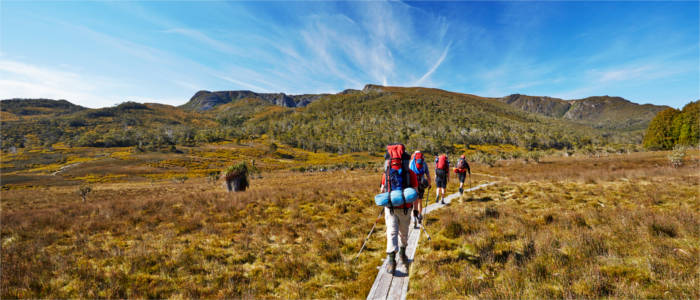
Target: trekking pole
(422, 225)
(470, 180)
(369, 234)
(424, 203)
(426, 232)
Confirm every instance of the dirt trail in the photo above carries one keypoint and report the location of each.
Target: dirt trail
(64, 168)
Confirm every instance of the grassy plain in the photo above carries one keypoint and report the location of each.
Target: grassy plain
(622, 225)
(617, 226)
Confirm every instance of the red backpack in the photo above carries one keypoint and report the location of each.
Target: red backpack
(418, 158)
(396, 155)
(442, 162)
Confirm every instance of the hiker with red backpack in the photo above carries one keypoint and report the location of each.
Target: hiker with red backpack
(442, 175)
(397, 177)
(462, 169)
(420, 168)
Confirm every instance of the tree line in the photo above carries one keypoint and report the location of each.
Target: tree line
(673, 127)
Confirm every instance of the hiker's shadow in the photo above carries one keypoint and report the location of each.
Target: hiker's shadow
(482, 199)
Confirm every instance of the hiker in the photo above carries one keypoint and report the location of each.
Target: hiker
(398, 218)
(442, 175)
(419, 167)
(462, 169)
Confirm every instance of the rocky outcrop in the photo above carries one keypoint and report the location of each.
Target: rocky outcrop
(599, 111)
(552, 107)
(349, 92)
(373, 88)
(206, 100)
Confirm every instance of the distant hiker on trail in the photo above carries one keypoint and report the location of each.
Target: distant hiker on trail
(442, 174)
(398, 218)
(462, 169)
(420, 168)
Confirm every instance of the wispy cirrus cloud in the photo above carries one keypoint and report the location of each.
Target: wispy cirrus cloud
(30, 81)
(434, 67)
(628, 73)
(329, 50)
(205, 40)
(153, 49)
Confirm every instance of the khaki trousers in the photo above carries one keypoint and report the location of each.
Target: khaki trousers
(396, 228)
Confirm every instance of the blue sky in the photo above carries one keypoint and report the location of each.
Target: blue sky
(102, 53)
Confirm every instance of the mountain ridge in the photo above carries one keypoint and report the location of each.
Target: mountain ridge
(206, 100)
(38, 106)
(351, 120)
(598, 111)
(544, 105)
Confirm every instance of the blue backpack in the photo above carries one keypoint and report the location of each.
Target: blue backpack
(397, 172)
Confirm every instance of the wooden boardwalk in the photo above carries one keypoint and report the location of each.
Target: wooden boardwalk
(387, 286)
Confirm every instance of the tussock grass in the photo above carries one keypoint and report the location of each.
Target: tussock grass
(290, 235)
(638, 165)
(555, 231)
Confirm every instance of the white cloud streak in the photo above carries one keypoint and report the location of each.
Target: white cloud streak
(24, 80)
(205, 39)
(253, 87)
(434, 67)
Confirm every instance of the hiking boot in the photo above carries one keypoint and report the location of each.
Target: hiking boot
(415, 219)
(420, 219)
(461, 191)
(402, 256)
(437, 198)
(391, 264)
(443, 200)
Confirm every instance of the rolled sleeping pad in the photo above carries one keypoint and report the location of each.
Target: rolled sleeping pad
(409, 193)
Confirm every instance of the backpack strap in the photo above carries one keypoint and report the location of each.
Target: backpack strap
(407, 181)
(387, 185)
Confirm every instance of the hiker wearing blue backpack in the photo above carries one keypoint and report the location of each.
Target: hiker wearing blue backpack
(420, 168)
(397, 178)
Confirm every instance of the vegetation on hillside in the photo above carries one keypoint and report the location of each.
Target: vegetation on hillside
(673, 127)
(351, 121)
(33, 107)
(427, 119)
(150, 127)
(604, 112)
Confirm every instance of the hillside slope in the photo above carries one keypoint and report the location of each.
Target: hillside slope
(126, 124)
(599, 111)
(428, 119)
(27, 108)
(352, 120)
